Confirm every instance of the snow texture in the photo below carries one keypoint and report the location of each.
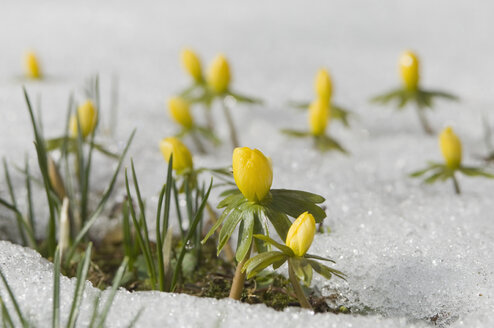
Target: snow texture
(414, 254)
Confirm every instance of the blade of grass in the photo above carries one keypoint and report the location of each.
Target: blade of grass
(177, 207)
(13, 200)
(14, 301)
(102, 202)
(43, 166)
(29, 199)
(190, 233)
(140, 238)
(113, 291)
(82, 270)
(55, 323)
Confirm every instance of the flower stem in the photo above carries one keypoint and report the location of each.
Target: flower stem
(197, 142)
(456, 185)
(423, 121)
(209, 118)
(296, 287)
(231, 125)
(239, 278)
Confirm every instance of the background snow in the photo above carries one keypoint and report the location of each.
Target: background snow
(411, 252)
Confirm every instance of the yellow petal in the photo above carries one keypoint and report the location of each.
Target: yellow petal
(301, 234)
(409, 70)
(252, 173)
(219, 74)
(180, 111)
(450, 146)
(191, 64)
(88, 117)
(319, 114)
(182, 158)
(32, 66)
(323, 85)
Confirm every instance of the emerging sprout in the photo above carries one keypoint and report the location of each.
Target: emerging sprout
(32, 66)
(182, 158)
(252, 173)
(180, 112)
(192, 64)
(253, 204)
(323, 88)
(319, 117)
(411, 92)
(300, 264)
(219, 75)
(87, 117)
(451, 149)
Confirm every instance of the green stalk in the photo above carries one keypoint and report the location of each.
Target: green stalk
(239, 278)
(423, 121)
(297, 288)
(456, 185)
(231, 124)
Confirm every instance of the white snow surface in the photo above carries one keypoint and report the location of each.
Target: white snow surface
(411, 252)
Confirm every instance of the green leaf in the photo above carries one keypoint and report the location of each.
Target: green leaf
(216, 225)
(419, 173)
(442, 94)
(280, 222)
(325, 271)
(296, 133)
(259, 229)
(387, 97)
(298, 104)
(229, 225)
(245, 235)
(231, 201)
(341, 114)
(261, 261)
(244, 99)
(299, 194)
(293, 206)
(436, 176)
(285, 249)
(326, 143)
(475, 172)
(316, 257)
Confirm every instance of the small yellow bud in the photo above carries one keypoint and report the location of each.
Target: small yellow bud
(182, 159)
(318, 116)
(88, 116)
(32, 66)
(219, 74)
(323, 85)
(409, 69)
(56, 179)
(180, 112)
(192, 64)
(301, 234)
(252, 173)
(450, 146)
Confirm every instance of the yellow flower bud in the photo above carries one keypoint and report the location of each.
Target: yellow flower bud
(180, 112)
(182, 159)
(323, 85)
(301, 234)
(88, 116)
(32, 66)
(450, 146)
(409, 69)
(252, 173)
(219, 74)
(318, 116)
(192, 64)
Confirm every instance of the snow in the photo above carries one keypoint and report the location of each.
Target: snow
(411, 252)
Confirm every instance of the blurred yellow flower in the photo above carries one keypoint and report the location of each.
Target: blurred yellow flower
(180, 111)
(192, 64)
(409, 69)
(182, 158)
(252, 173)
(88, 117)
(323, 85)
(450, 146)
(219, 74)
(319, 113)
(301, 234)
(32, 66)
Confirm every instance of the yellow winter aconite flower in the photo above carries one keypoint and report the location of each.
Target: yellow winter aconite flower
(192, 64)
(323, 85)
(252, 173)
(318, 117)
(182, 159)
(88, 116)
(301, 234)
(32, 66)
(409, 69)
(180, 111)
(450, 146)
(219, 74)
